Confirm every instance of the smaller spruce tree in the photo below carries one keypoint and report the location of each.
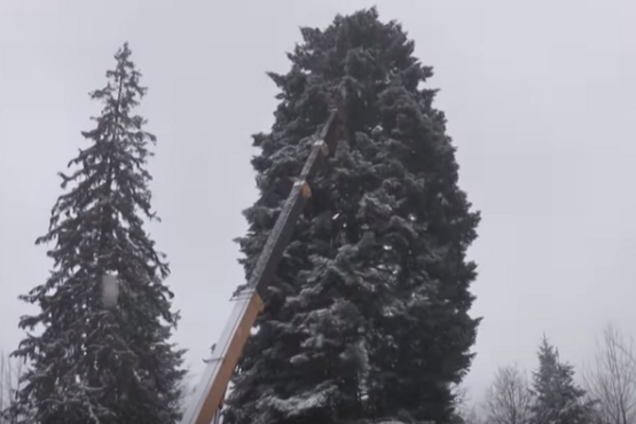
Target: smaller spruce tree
(91, 363)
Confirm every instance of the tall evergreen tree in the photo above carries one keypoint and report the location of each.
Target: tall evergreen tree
(367, 316)
(93, 363)
(558, 399)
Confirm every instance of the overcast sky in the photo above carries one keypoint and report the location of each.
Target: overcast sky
(540, 98)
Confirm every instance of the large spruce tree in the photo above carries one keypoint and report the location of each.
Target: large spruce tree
(367, 317)
(93, 362)
(558, 399)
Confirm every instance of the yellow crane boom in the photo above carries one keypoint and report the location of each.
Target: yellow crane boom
(210, 391)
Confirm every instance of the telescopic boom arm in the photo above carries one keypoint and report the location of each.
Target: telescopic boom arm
(248, 303)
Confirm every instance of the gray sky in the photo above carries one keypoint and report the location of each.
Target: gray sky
(539, 96)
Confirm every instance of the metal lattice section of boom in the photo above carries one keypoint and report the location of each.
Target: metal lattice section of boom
(248, 303)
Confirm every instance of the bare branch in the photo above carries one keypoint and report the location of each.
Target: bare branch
(611, 380)
(509, 398)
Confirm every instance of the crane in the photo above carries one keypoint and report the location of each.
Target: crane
(248, 303)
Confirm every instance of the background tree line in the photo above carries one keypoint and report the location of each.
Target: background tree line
(602, 392)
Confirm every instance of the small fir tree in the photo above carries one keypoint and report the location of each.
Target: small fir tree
(96, 360)
(558, 399)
